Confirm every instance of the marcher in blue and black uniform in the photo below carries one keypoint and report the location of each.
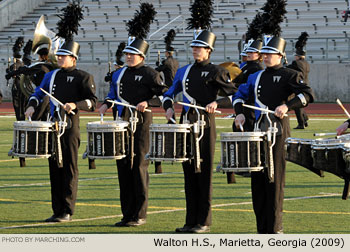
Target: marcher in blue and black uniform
(271, 88)
(139, 85)
(75, 88)
(200, 83)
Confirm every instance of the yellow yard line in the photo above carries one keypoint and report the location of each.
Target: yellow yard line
(215, 207)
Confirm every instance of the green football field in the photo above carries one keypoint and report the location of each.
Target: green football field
(312, 204)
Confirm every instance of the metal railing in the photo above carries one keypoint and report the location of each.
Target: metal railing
(319, 50)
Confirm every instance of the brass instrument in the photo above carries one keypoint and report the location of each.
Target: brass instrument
(232, 68)
(45, 38)
(26, 85)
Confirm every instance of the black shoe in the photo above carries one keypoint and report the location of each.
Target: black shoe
(158, 168)
(51, 219)
(121, 223)
(299, 127)
(136, 223)
(22, 162)
(200, 229)
(306, 124)
(184, 229)
(63, 218)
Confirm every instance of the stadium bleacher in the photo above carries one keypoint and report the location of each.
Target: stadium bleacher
(104, 27)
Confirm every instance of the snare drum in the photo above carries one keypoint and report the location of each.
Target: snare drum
(107, 140)
(32, 139)
(242, 151)
(327, 154)
(298, 151)
(168, 142)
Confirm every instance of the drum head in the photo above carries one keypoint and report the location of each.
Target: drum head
(107, 126)
(241, 136)
(32, 125)
(292, 140)
(170, 127)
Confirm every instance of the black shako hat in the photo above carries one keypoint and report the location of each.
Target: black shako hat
(136, 46)
(138, 28)
(200, 21)
(203, 38)
(244, 51)
(67, 26)
(16, 49)
(274, 11)
(69, 48)
(254, 46)
(273, 44)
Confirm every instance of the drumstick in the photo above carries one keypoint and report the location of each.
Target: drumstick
(325, 134)
(241, 127)
(195, 106)
(172, 119)
(127, 105)
(261, 109)
(55, 99)
(341, 105)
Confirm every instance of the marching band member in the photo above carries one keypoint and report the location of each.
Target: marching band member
(271, 88)
(35, 72)
(200, 83)
(135, 84)
(169, 65)
(117, 65)
(75, 88)
(167, 68)
(300, 64)
(253, 64)
(18, 98)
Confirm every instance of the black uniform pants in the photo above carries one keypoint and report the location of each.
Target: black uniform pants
(301, 116)
(134, 181)
(64, 181)
(18, 100)
(268, 197)
(198, 186)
